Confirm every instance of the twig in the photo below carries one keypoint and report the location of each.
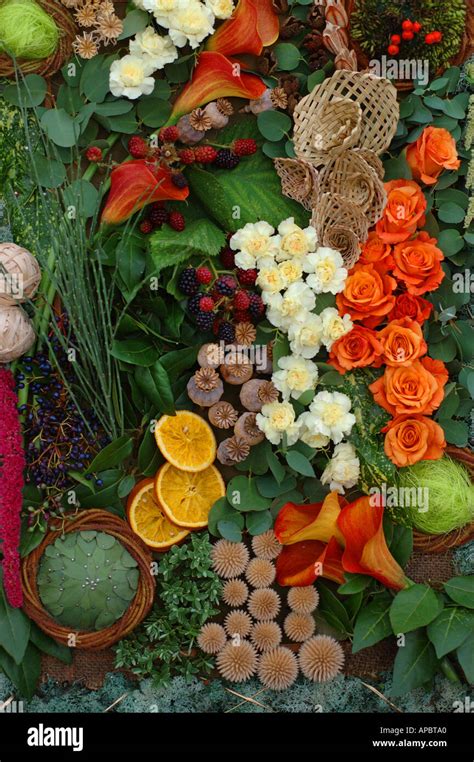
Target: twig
(250, 699)
(381, 696)
(117, 701)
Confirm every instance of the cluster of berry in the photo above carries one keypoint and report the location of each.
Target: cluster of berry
(224, 158)
(218, 301)
(156, 216)
(409, 30)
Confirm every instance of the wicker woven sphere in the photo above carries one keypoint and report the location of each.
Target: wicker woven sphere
(303, 600)
(260, 573)
(266, 545)
(20, 274)
(238, 622)
(229, 559)
(278, 669)
(16, 333)
(235, 592)
(237, 662)
(264, 604)
(321, 658)
(266, 635)
(299, 627)
(212, 638)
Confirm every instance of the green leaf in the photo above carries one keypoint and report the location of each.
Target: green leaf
(281, 348)
(268, 486)
(275, 466)
(201, 238)
(14, 628)
(450, 629)
(414, 607)
(95, 79)
(330, 604)
(461, 590)
(450, 242)
(138, 351)
(149, 456)
(83, 196)
(331, 378)
(154, 112)
(135, 21)
(396, 169)
(222, 511)
(113, 455)
(260, 522)
(456, 432)
(455, 108)
(60, 127)
(439, 84)
(257, 460)
(355, 583)
(125, 123)
(373, 623)
(126, 486)
(401, 545)
(229, 530)
(155, 384)
(30, 91)
(274, 125)
(415, 663)
(465, 654)
(449, 405)
(24, 676)
(49, 173)
(287, 56)
(299, 463)
(49, 646)
(314, 79)
(243, 495)
(451, 213)
(117, 107)
(274, 150)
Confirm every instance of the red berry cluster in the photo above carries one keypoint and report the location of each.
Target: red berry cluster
(94, 154)
(156, 216)
(225, 158)
(408, 32)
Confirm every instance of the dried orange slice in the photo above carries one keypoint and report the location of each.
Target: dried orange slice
(148, 520)
(186, 441)
(188, 497)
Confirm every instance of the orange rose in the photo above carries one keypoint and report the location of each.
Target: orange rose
(434, 151)
(414, 307)
(367, 294)
(404, 212)
(411, 438)
(418, 264)
(402, 342)
(357, 349)
(376, 251)
(418, 389)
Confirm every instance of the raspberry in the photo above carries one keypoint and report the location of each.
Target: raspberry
(407, 25)
(194, 303)
(416, 27)
(204, 275)
(247, 277)
(187, 156)
(226, 159)
(393, 50)
(146, 226)
(257, 307)
(408, 35)
(241, 300)
(226, 332)
(227, 257)
(169, 134)
(205, 320)
(242, 316)
(138, 147)
(179, 180)
(187, 281)
(395, 39)
(245, 147)
(226, 285)
(177, 221)
(94, 154)
(157, 214)
(206, 304)
(205, 154)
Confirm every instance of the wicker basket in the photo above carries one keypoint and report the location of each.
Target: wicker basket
(46, 67)
(100, 521)
(440, 543)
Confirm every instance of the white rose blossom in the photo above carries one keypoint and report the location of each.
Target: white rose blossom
(156, 49)
(343, 470)
(270, 280)
(130, 76)
(327, 271)
(254, 244)
(159, 8)
(309, 433)
(291, 271)
(190, 22)
(296, 376)
(305, 335)
(334, 326)
(222, 9)
(293, 304)
(330, 415)
(277, 419)
(294, 241)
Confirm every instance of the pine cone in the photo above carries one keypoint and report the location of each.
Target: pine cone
(316, 18)
(318, 59)
(313, 41)
(289, 83)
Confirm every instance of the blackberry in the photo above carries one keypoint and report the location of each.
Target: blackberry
(227, 257)
(226, 332)
(205, 320)
(179, 180)
(247, 277)
(194, 303)
(158, 215)
(257, 307)
(226, 159)
(226, 285)
(187, 281)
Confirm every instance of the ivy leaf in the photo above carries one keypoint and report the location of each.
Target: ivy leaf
(450, 629)
(461, 590)
(415, 663)
(412, 608)
(372, 624)
(201, 238)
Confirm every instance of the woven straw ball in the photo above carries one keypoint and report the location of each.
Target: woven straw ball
(16, 333)
(20, 274)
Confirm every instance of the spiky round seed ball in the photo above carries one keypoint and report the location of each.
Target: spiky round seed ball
(260, 573)
(229, 559)
(212, 638)
(303, 600)
(238, 623)
(266, 545)
(278, 669)
(264, 604)
(235, 592)
(321, 658)
(266, 635)
(299, 627)
(237, 662)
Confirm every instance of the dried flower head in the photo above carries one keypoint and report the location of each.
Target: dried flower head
(321, 658)
(245, 334)
(212, 638)
(168, 153)
(303, 600)
(278, 669)
(246, 427)
(106, 6)
(266, 546)
(279, 98)
(86, 15)
(207, 379)
(225, 107)
(109, 26)
(299, 627)
(229, 559)
(260, 572)
(199, 120)
(237, 449)
(237, 622)
(237, 662)
(264, 604)
(85, 45)
(210, 356)
(235, 592)
(266, 635)
(236, 373)
(223, 415)
(70, 3)
(267, 393)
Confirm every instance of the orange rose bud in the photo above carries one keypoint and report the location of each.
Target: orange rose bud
(359, 348)
(404, 212)
(414, 307)
(375, 251)
(418, 389)
(418, 264)
(411, 438)
(402, 342)
(434, 151)
(367, 294)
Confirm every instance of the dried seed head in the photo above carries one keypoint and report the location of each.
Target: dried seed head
(237, 662)
(278, 669)
(321, 658)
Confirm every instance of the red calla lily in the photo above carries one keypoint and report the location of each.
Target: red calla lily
(316, 521)
(215, 77)
(253, 25)
(366, 550)
(134, 184)
(301, 564)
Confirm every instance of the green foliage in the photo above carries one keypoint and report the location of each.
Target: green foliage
(373, 623)
(414, 607)
(200, 238)
(415, 663)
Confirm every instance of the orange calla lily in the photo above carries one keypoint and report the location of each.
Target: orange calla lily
(253, 26)
(301, 564)
(366, 551)
(134, 184)
(215, 77)
(316, 521)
